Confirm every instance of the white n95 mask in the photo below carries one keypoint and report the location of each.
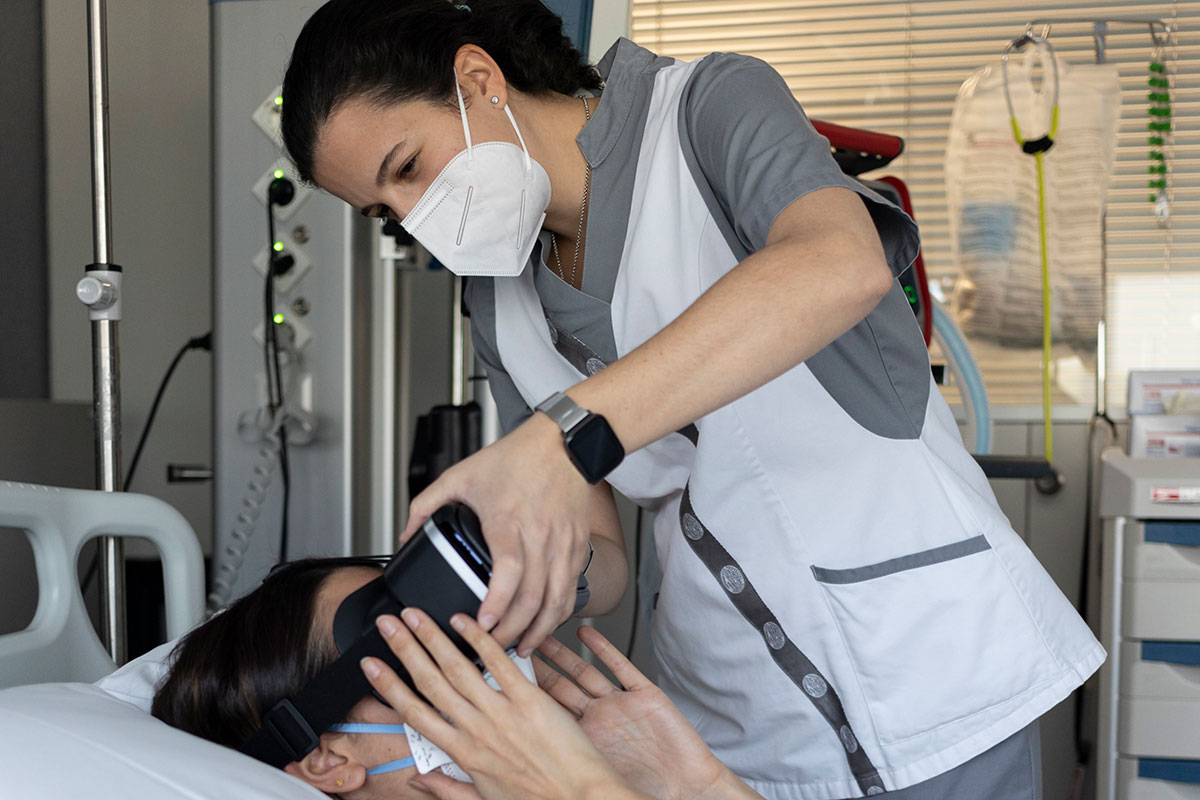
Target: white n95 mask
(482, 213)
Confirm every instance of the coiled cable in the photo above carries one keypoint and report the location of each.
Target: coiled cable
(233, 554)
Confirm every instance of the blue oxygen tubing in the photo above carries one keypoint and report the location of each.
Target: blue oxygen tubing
(970, 382)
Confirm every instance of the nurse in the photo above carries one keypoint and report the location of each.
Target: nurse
(677, 294)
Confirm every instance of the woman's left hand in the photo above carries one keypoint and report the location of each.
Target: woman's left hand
(533, 506)
(514, 743)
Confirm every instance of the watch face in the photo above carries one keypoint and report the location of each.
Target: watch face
(595, 448)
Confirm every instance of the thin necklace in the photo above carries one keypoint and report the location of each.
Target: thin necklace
(587, 183)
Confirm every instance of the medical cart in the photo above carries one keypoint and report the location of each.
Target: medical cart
(1149, 709)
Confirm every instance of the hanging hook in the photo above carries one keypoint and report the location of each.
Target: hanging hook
(1045, 34)
(1043, 46)
(1159, 28)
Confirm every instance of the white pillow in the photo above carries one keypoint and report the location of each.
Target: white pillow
(134, 683)
(73, 740)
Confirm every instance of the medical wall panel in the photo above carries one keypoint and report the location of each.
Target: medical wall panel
(318, 314)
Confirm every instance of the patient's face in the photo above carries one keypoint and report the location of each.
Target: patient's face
(367, 749)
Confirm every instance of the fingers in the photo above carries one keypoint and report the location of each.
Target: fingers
(555, 684)
(452, 665)
(512, 681)
(549, 581)
(583, 673)
(620, 666)
(444, 787)
(524, 584)
(422, 507)
(411, 708)
(508, 563)
(426, 676)
(555, 608)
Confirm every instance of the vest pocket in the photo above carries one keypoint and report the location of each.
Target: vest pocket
(935, 636)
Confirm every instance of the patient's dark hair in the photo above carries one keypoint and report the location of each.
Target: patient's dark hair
(387, 51)
(230, 671)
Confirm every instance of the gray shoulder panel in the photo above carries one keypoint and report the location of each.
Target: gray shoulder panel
(751, 151)
(611, 142)
(878, 371)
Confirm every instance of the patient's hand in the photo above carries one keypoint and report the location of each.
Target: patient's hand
(637, 728)
(516, 744)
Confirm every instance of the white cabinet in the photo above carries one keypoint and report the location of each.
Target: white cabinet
(1149, 743)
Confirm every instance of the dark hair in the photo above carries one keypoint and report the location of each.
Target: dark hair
(229, 672)
(387, 51)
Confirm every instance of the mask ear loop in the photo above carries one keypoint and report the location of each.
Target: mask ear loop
(520, 138)
(462, 109)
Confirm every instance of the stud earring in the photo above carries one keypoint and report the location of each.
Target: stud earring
(495, 100)
(340, 782)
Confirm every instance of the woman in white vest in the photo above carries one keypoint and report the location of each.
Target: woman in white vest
(665, 263)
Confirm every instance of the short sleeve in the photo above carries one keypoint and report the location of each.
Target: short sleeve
(757, 152)
(479, 299)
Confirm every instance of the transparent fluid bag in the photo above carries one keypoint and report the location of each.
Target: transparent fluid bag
(992, 194)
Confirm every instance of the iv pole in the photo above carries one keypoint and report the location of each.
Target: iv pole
(100, 291)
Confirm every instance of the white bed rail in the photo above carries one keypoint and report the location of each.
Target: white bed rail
(60, 643)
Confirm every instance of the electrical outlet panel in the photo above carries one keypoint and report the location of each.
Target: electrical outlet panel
(266, 116)
(282, 168)
(285, 282)
(293, 335)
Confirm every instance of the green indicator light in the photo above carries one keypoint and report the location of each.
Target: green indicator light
(279, 319)
(279, 101)
(278, 247)
(278, 173)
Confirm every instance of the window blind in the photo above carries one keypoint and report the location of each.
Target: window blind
(897, 67)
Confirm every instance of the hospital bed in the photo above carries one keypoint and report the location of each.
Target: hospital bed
(62, 736)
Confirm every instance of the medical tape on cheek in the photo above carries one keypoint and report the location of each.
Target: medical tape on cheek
(427, 756)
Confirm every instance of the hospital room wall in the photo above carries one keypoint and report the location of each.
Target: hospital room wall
(23, 327)
(161, 225)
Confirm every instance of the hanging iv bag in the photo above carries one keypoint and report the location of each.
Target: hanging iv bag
(992, 194)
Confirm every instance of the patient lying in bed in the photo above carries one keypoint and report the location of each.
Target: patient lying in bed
(229, 672)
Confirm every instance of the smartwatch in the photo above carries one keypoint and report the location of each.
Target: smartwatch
(591, 444)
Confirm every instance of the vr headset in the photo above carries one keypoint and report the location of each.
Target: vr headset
(443, 570)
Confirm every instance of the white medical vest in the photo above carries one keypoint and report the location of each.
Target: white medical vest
(841, 613)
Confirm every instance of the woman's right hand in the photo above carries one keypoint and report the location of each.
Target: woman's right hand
(516, 743)
(641, 732)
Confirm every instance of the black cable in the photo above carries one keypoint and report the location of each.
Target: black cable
(637, 569)
(196, 343)
(1083, 747)
(275, 398)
